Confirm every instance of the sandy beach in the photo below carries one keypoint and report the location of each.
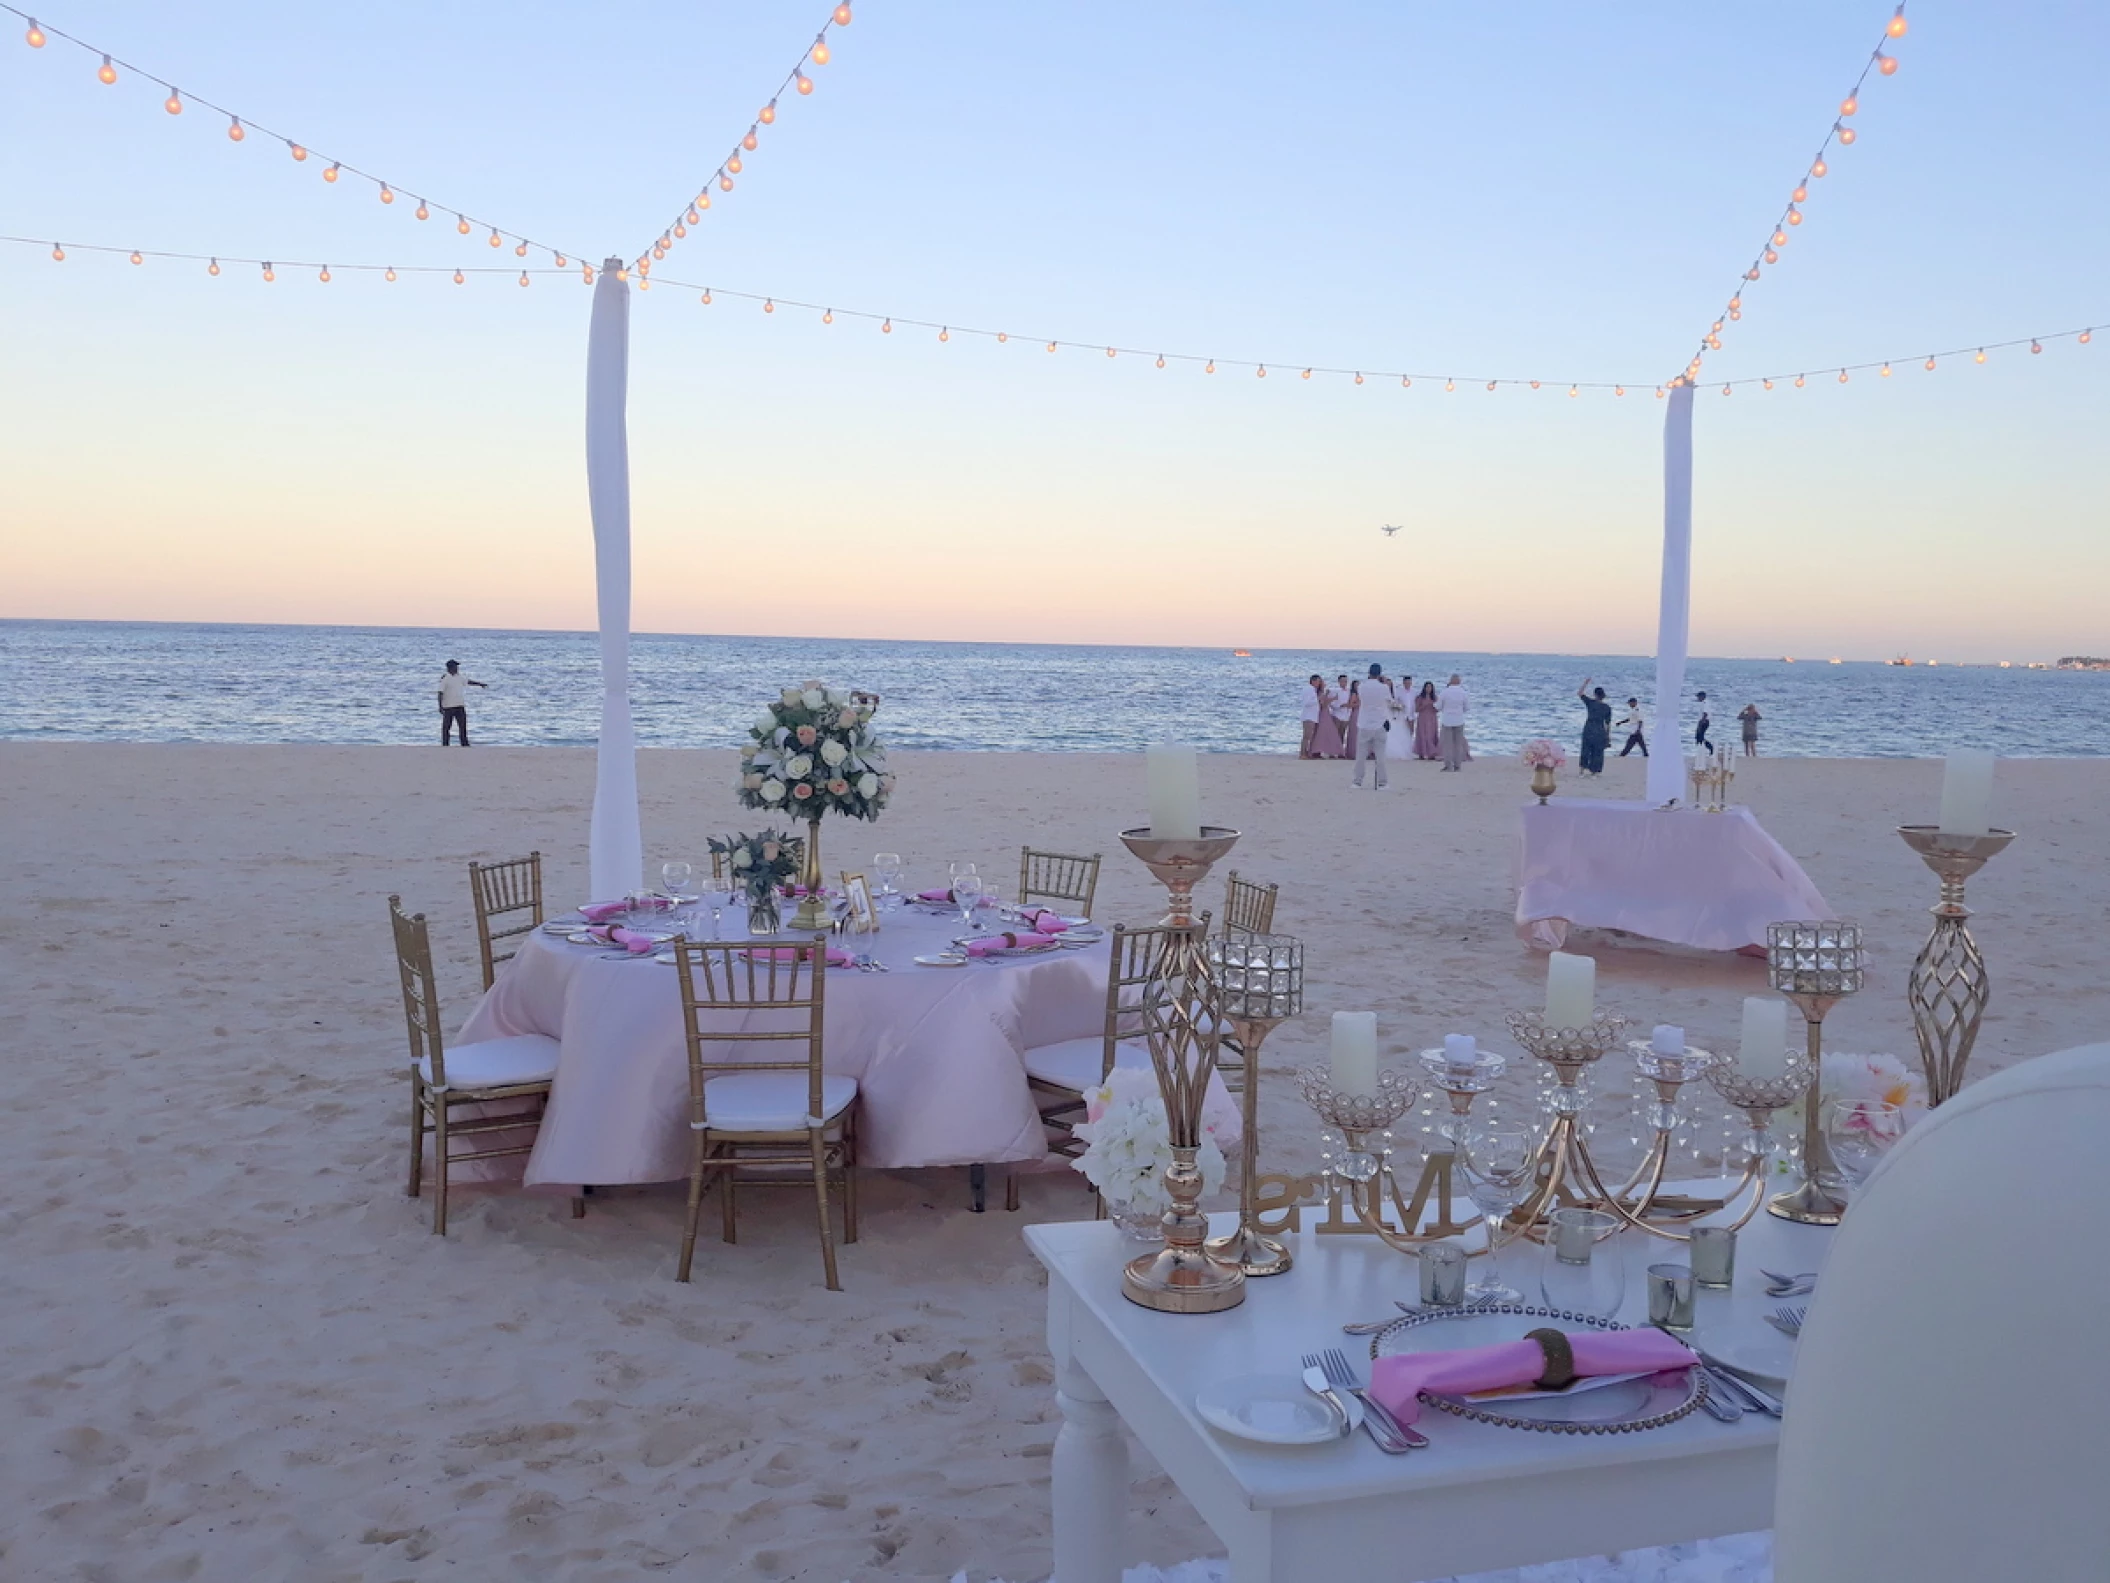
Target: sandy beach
(234, 1350)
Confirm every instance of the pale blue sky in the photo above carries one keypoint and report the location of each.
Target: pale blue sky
(1526, 191)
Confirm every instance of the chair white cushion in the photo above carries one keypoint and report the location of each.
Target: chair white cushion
(494, 1063)
(771, 1101)
(1076, 1063)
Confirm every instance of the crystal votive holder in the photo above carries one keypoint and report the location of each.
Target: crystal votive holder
(1670, 1296)
(1442, 1275)
(1713, 1254)
(1256, 977)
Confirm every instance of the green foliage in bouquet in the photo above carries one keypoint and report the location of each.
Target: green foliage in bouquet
(813, 751)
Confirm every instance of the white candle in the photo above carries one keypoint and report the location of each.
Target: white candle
(1461, 1052)
(1354, 1053)
(1668, 1039)
(1764, 1051)
(1967, 792)
(1175, 792)
(1571, 990)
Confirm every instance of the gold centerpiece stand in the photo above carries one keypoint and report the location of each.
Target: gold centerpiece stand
(1949, 987)
(1816, 965)
(1259, 986)
(1180, 1026)
(813, 911)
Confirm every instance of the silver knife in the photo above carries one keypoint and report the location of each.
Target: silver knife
(1382, 1416)
(1347, 1406)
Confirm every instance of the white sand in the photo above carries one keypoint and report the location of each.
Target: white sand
(232, 1349)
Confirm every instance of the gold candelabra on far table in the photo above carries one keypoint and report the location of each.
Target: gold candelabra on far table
(1949, 987)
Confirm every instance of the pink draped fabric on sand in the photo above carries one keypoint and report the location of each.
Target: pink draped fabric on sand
(1691, 878)
(937, 1052)
(1397, 1381)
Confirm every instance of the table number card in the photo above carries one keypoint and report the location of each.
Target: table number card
(864, 917)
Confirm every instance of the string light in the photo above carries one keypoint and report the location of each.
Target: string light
(769, 307)
(330, 175)
(1895, 27)
(496, 239)
(108, 72)
(214, 268)
(268, 276)
(828, 316)
(234, 129)
(734, 165)
(1930, 361)
(35, 35)
(1161, 364)
(820, 52)
(523, 277)
(1887, 65)
(1211, 367)
(1450, 385)
(458, 277)
(296, 150)
(461, 225)
(887, 328)
(1886, 370)
(136, 258)
(805, 83)
(769, 113)
(1981, 354)
(324, 277)
(1820, 169)
(842, 16)
(748, 142)
(390, 275)
(58, 254)
(173, 103)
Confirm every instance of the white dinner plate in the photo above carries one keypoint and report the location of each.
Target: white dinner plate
(1585, 1402)
(563, 926)
(1751, 1346)
(1274, 1409)
(941, 961)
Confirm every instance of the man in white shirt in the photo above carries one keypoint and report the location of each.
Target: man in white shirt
(454, 703)
(1451, 706)
(1377, 714)
(1636, 729)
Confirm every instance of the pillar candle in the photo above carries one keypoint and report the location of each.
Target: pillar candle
(1764, 1051)
(1354, 1053)
(1668, 1039)
(1461, 1052)
(1967, 792)
(1175, 792)
(1571, 990)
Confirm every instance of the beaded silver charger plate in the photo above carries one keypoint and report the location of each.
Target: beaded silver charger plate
(1624, 1408)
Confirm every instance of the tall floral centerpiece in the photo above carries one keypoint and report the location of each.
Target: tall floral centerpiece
(1544, 757)
(811, 752)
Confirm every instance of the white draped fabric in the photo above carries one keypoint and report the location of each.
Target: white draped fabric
(1666, 764)
(616, 849)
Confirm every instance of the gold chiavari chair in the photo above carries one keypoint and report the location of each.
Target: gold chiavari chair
(508, 900)
(1058, 1074)
(490, 1071)
(1248, 909)
(763, 1112)
(1057, 876)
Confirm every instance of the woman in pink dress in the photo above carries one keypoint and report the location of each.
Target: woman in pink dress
(1325, 734)
(1426, 745)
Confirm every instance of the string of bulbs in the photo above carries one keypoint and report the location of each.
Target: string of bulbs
(239, 127)
(692, 212)
(269, 268)
(1883, 65)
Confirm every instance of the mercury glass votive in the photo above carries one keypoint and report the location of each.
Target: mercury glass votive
(1713, 1254)
(1670, 1296)
(1442, 1275)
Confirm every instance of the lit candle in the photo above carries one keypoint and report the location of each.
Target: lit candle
(1668, 1039)
(1764, 1051)
(1571, 990)
(1967, 792)
(1461, 1052)
(1354, 1053)
(1175, 792)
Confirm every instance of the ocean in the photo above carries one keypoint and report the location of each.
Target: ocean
(93, 681)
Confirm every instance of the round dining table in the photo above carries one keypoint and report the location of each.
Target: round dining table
(938, 1052)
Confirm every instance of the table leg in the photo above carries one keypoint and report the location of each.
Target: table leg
(1090, 1478)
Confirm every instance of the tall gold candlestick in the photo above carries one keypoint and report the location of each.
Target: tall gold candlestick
(1816, 965)
(1949, 987)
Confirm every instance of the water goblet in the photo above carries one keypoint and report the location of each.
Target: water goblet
(993, 894)
(1498, 1161)
(1860, 1132)
(1572, 1276)
(886, 872)
(679, 881)
(966, 891)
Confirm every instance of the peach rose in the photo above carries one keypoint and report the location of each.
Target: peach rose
(841, 788)
(806, 736)
(802, 790)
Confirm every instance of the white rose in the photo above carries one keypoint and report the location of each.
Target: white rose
(765, 724)
(790, 695)
(798, 767)
(834, 697)
(742, 858)
(773, 791)
(813, 698)
(833, 753)
(868, 785)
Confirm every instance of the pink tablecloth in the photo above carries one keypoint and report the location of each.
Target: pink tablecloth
(1692, 878)
(937, 1052)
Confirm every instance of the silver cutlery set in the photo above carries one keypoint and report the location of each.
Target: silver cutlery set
(1329, 1374)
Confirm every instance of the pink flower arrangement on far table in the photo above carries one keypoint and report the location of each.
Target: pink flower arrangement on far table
(1541, 754)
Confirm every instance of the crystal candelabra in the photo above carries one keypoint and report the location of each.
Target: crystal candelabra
(1949, 987)
(1355, 1177)
(1816, 965)
(1181, 1027)
(1259, 982)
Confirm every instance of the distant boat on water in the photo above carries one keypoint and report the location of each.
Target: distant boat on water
(1241, 654)
(1835, 660)
(1902, 659)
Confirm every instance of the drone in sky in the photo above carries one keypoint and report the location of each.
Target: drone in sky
(1388, 530)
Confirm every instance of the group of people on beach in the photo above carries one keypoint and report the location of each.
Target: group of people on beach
(1597, 728)
(1375, 718)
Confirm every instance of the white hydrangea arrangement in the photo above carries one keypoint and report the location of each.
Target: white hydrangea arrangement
(813, 751)
(1128, 1143)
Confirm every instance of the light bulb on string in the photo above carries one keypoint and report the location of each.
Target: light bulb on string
(389, 273)
(769, 113)
(461, 225)
(886, 327)
(748, 142)
(136, 257)
(107, 72)
(35, 36)
(1770, 256)
(1846, 134)
(1820, 169)
(324, 276)
(1736, 313)
(2085, 336)
(1842, 376)
(1405, 383)
(804, 84)
(1780, 239)
(213, 268)
(1981, 355)
(706, 296)
(1534, 384)
(1490, 384)
(1886, 371)
(820, 52)
(1725, 390)
(1161, 364)
(331, 173)
(1209, 367)
(523, 277)
(1450, 384)
(1109, 351)
(1306, 374)
(734, 165)
(1751, 273)
(1887, 65)
(296, 150)
(520, 251)
(496, 239)
(1798, 381)
(680, 230)
(387, 193)
(1573, 390)
(1659, 392)
(828, 316)
(769, 305)
(459, 279)
(268, 275)
(1801, 194)
(703, 200)
(725, 184)
(1849, 105)
(2034, 347)
(1260, 372)
(58, 254)
(423, 213)
(234, 129)
(1767, 383)
(842, 16)
(1619, 390)
(1794, 215)
(586, 273)
(1895, 27)
(174, 102)
(1051, 346)
(559, 257)
(1930, 365)
(694, 217)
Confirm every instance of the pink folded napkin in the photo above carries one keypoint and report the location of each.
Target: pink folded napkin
(1042, 921)
(784, 953)
(945, 898)
(636, 944)
(991, 944)
(602, 911)
(1398, 1381)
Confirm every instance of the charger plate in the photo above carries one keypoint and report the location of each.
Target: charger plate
(1625, 1408)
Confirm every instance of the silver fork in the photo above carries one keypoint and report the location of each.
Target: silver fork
(1382, 1425)
(1788, 1318)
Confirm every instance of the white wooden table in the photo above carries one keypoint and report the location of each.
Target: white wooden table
(1480, 1497)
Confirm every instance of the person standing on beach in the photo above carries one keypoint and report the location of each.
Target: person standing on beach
(1750, 717)
(1399, 741)
(1376, 706)
(1427, 744)
(454, 703)
(1597, 727)
(1699, 735)
(1451, 705)
(1635, 729)
(1314, 706)
(1343, 707)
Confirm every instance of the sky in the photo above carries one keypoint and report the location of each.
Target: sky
(1527, 191)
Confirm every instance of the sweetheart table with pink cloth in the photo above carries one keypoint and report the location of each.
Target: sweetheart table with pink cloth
(937, 1052)
(1713, 880)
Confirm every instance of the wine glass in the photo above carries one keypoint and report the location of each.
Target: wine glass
(886, 869)
(1860, 1132)
(725, 890)
(966, 891)
(1572, 1276)
(678, 880)
(1497, 1162)
(955, 869)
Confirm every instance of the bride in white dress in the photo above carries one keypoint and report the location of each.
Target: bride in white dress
(1399, 741)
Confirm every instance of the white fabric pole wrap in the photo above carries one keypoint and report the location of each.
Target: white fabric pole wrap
(1666, 748)
(616, 846)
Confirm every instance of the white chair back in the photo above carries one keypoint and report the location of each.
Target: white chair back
(1951, 1394)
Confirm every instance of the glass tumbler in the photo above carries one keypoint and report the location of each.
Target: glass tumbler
(1581, 1271)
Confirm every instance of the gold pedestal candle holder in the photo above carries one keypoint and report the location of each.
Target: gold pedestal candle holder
(1356, 1180)
(1758, 1098)
(1949, 987)
(1815, 964)
(1564, 1175)
(1259, 986)
(1461, 1084)
(813, 912)
(1180, 1025)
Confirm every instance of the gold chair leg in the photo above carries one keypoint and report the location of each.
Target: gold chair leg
(439, 1167)
(578, 1209)
(850, 1176)
(417, 1135)
(688, 1229)
(1011, 1191)
(820, 1195)
(728, 1206)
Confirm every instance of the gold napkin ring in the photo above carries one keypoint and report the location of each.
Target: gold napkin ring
(1560, 1359)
